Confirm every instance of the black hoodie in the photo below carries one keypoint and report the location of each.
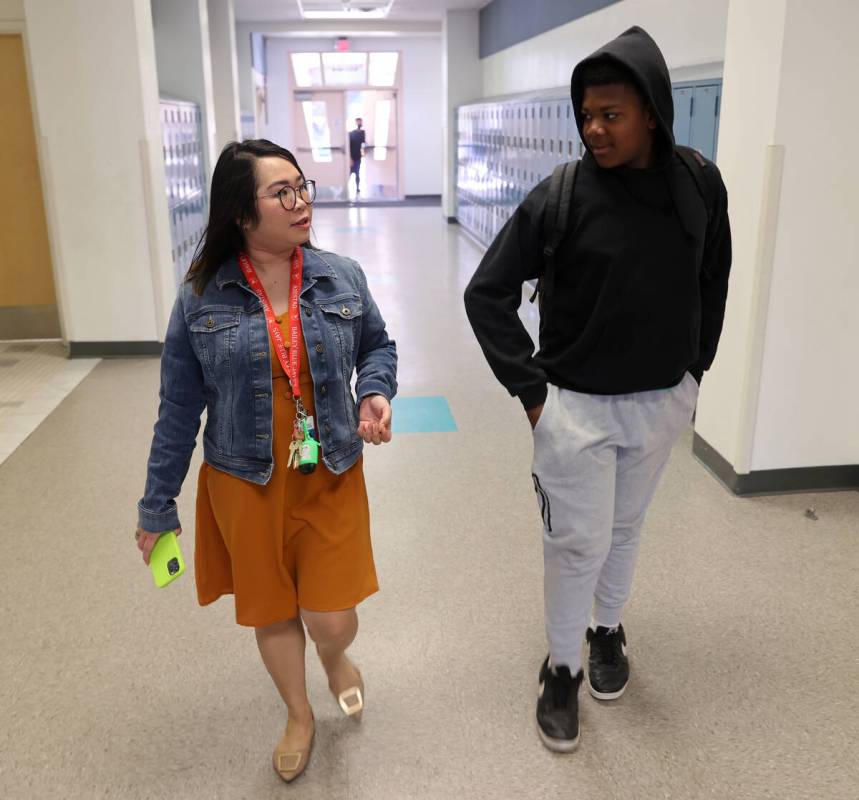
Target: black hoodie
(641, 280)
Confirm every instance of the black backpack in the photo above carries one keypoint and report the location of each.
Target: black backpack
(556, 221)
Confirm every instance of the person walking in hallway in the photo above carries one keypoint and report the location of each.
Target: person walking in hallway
(632, 303)
(266, 334)
(357, 138)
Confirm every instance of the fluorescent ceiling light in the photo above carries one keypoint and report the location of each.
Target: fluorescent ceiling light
(346, 12)
(377, 13)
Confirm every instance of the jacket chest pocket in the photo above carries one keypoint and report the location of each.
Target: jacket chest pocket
(343, 320)
(213, 336)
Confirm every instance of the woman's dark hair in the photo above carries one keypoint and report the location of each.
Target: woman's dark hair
(232, 205)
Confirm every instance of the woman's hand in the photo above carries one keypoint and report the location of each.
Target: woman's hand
(374, 416)
(146, 541)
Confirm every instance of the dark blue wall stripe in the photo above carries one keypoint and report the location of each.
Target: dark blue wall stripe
(504, 23)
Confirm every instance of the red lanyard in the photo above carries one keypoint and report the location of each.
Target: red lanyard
(291, 361)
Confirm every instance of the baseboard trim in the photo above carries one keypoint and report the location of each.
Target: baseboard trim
(29, 322)
(409, 201)
(776, 481)
(114, 349)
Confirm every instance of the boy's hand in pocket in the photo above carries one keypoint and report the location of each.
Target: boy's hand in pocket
(534, 415)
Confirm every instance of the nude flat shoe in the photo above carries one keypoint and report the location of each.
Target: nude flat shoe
(289, 764)
(351, 700)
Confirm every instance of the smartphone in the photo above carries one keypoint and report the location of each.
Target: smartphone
(166, 560)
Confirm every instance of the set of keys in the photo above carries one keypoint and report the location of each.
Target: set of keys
(294, 450)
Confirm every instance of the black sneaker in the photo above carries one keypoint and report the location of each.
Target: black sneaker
(608, 666)
(558, 708)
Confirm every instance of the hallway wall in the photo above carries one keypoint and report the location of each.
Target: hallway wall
(11, 10)
(690, 34)
(103, 171)
(812, 326)
(782, 393)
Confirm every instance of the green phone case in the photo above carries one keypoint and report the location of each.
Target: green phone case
(166, 560)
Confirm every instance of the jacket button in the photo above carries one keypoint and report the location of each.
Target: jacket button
(319, 348)
(308, 311)
(345, 311)
(323, 389)
(210, 323)
(262, 436)
(327, 428)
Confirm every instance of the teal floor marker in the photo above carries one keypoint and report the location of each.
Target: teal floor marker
(422, 415)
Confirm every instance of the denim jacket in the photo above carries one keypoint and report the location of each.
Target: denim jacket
(216, 356)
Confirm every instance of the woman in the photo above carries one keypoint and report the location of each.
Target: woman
(294, 548)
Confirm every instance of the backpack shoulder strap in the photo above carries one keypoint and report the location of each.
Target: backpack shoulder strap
(697, 166)
(560, 200)
(555, 221)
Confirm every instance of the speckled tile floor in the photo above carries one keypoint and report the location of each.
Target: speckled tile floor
(745, 677)
(35, 377)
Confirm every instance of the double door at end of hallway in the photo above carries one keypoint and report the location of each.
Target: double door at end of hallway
(323, 120)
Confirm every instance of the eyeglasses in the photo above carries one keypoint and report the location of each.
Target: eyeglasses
(288, 195)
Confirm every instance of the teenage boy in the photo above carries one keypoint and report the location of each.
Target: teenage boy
(629, 322)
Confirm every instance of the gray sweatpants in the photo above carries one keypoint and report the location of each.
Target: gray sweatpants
(597, 462)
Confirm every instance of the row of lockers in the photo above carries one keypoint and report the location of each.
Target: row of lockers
(696, 116)
(505, 148)
(187, 222)
(182, 146)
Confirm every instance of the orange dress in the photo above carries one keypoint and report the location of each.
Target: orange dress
(300, 541)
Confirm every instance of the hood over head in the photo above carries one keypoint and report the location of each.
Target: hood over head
(635, 50)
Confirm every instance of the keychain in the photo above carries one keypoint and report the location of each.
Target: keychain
(308, 450)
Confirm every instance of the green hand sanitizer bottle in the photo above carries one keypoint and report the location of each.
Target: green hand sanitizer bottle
(308, 454)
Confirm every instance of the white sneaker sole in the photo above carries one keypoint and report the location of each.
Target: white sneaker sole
(558, 745)
(604, 695)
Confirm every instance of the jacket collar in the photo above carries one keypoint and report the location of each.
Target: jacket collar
(315, 267)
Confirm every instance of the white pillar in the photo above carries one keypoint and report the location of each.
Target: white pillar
(778, 410)
(183, 46)
(225, 73)
(247, 102)
(95, 95)
(462, 82)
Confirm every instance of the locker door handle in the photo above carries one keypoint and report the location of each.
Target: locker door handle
(692, 107)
